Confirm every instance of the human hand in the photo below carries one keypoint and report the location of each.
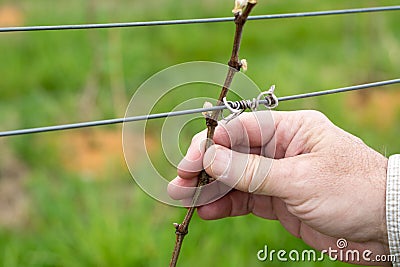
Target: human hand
(320, 182)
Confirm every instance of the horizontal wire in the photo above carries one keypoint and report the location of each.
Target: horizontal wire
(186, 112)
(339, 90)
(196, 21)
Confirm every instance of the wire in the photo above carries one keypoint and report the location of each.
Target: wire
(339, 90)
(196, 21)
(186, 112)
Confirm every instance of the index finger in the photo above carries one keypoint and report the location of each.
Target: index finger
(248, 131)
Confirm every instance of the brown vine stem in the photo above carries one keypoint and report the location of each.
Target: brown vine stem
(212, 121)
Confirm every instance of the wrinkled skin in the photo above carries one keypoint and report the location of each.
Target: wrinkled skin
(319, 181)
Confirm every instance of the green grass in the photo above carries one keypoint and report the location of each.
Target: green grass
(47, 78)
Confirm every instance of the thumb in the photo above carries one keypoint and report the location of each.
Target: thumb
(249, 172)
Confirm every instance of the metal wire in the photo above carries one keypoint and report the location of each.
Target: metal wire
(196, 21)
(339, 90)
(186, 112)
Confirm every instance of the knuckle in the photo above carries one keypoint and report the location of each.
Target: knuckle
(245, 176)
(250, 173)
(256, 175)
(314, 115)
(315, 123)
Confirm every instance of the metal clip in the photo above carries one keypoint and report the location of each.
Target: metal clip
(238, 107)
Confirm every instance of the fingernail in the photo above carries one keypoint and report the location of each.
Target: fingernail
(216, 161)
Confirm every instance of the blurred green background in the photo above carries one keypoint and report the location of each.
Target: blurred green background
(67, 199)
